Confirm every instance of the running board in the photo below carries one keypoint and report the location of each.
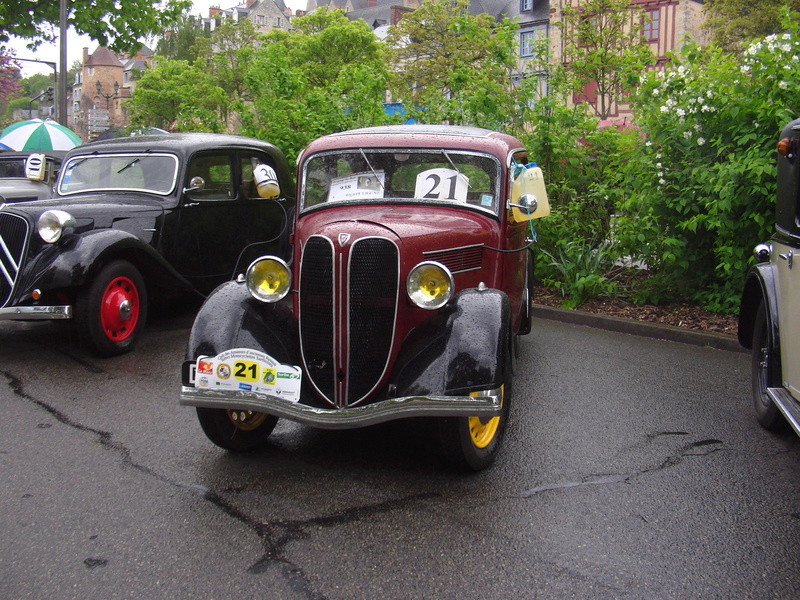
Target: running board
(787, 405)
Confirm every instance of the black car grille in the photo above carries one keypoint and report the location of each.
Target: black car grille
(13, 234)
(360, 304)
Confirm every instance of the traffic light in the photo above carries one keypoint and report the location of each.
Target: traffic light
(48, 94)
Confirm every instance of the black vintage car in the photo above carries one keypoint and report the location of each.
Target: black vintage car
(769, 317)
(138, 218)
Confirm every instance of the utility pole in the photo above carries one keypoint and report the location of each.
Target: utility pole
(61, 77)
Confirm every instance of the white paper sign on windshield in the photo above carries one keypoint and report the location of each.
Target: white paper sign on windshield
(359, 186)
(442, 184)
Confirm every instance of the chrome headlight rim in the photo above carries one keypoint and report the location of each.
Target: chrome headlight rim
(425, 301)
(52, 223)
(254, 289)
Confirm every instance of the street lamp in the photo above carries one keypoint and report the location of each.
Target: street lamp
(108, 97)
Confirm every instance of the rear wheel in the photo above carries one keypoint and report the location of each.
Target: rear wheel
(236, 430)
(766, 372)
(111, 310)
(472, 443)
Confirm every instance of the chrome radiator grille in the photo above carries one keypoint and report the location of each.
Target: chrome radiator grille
(13, 234)
(348, 304)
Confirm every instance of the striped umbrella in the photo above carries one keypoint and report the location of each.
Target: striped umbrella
(37, 134)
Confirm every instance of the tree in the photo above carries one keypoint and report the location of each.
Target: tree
(603, 48)
(733, 23)
(118, 25)
(180, 42)
(175, 93)
(326, 75)
(225, 53)
(454, 66)
(9, 75)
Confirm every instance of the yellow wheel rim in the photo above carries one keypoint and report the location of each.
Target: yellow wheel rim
(483, 431)
(246, 420)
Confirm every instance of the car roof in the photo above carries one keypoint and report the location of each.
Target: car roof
(179, 143)
(423, 136)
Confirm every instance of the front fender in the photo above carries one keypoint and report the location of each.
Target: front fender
(73, 261)
(231, 318)
(462, 349)
(759, 288)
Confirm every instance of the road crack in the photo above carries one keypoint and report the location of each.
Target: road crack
(275, 535)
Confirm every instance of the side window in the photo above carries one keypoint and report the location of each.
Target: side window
(216, 171)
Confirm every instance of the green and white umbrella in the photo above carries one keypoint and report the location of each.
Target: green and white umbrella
(37, 134)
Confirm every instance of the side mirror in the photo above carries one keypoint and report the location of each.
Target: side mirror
(196, 184)
(36, 167)
(266, 180)
(529, 195)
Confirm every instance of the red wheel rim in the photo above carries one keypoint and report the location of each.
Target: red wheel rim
(119, 309)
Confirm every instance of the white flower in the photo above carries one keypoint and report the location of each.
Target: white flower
(662, 181)
(648, 143)
(706, 108)
(680, 112)
(658, 164)
(661, 173)
(745, 69)
(783, 85)
(664, 109)
(701, 141)
(687, 134)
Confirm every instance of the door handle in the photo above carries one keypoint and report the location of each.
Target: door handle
(788, 257)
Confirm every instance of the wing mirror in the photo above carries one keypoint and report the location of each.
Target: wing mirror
(196, 184)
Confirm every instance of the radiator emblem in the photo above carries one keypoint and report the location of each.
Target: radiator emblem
(344, 238)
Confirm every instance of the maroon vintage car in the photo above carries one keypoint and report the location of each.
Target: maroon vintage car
(410, 279)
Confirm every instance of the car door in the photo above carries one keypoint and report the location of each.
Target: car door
(786, 259)
(220, 216)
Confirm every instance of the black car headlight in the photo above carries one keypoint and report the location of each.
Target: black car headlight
(52, 224)
(268, 279)
(430, 285)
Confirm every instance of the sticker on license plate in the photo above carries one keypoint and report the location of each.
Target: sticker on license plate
(243, 369)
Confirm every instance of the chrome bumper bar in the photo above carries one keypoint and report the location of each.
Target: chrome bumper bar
(787, 405)
(35, 313)
(487, 405)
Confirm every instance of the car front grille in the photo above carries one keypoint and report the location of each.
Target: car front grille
(467, 258)
(13, 234)
(348, 305)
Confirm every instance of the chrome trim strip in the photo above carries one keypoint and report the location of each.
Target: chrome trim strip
(6, 274)
(346, 418)
(35, 313)
(453, 249)
(787, 405)
(7, 252)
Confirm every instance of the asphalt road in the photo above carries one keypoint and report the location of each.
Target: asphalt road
(633, 468)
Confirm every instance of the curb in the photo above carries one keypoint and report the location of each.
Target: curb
(671, 333)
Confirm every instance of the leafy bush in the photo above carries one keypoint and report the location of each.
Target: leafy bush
(701, 192)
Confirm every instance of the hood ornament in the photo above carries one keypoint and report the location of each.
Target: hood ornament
(344, 238)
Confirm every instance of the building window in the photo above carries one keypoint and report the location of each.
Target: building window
(525, 5)
(652, 25)
(528, 38)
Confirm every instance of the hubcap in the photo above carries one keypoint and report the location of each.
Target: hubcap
(119, 309)
(481, 430)
(246, 420)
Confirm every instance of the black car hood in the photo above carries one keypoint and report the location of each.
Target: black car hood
(102, 209)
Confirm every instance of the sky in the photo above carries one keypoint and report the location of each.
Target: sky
(76, 43)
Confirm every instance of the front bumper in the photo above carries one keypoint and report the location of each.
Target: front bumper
(489, 404)
(35, 313)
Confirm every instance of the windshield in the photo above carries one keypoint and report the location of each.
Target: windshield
(370, 175)
(143, 172)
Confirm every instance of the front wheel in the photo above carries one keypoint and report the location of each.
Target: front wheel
(472, 443)
(236, 430)
(111, 310)
(766, 372)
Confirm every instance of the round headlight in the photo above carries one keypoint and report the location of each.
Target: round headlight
(268, 279)
(430, 285)
(52, 224)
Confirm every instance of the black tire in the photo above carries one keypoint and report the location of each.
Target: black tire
(236, 430)
(111, 310)
(765, 369)
(472, 443)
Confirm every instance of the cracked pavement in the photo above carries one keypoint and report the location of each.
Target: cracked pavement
(633, 468)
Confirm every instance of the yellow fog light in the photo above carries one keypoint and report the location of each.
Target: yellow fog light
(430, 285)
(268, 279)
